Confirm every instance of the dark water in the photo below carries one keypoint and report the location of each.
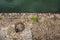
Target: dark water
(29, 5)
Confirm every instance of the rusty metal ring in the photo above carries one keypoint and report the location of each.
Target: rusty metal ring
(18, 30)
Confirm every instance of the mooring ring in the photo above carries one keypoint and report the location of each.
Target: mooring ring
(18, 30)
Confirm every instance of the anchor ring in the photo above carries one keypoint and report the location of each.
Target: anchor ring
(17, 29)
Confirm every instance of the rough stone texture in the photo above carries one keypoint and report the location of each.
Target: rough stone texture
(47, 27)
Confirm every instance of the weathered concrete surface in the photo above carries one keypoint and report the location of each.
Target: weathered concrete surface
(47, 27)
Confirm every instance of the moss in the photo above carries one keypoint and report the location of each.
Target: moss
(34, 19)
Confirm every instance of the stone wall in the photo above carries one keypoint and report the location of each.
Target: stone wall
(46, 28)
